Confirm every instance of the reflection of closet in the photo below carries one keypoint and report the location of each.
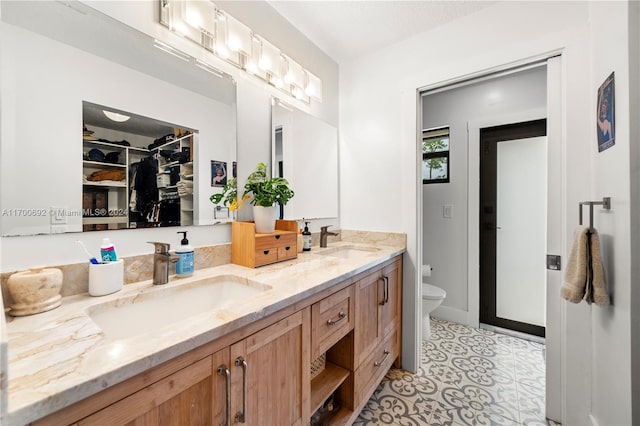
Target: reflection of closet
(175, 176)
(105, 200)
(136, 179)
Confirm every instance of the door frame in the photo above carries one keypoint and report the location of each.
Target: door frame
(473, 201)
(487, 273)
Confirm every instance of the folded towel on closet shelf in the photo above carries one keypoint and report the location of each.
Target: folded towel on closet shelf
(584, 277)
(185, 187)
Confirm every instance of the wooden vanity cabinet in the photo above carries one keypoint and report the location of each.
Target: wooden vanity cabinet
(270, 376)
(260, 374)
(182, 398)
(274, 362)
(377, 334)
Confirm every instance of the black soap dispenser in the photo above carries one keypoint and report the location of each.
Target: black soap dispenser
(306, 238)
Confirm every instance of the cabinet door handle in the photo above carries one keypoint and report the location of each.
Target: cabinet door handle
(277, 236)
(341, 316)
(384, 292)
(241, 415)
(386, 287)
(384, 358)
(287, 248)
(223, 369)
(266, 252)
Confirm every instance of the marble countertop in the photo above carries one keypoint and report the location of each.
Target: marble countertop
(59, 357)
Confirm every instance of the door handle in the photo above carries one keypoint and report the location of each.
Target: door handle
(241, 415)
(223, 369)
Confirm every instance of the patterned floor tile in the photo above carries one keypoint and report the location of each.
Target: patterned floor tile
(468, 376)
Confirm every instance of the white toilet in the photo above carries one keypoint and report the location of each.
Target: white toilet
(432, 297)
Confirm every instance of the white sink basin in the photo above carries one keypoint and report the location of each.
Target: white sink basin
(349, 252)
(162, 306)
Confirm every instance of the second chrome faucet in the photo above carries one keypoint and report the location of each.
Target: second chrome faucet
(324, 233)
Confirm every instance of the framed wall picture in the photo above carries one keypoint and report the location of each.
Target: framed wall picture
(218, 173)
(605, 114)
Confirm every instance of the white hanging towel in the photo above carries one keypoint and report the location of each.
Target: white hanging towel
(584, 277)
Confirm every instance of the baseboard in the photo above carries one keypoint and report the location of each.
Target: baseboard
(452, 314)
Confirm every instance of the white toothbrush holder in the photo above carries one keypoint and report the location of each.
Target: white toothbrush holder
(106, 278)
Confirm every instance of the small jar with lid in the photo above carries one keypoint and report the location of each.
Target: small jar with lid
(35, 290)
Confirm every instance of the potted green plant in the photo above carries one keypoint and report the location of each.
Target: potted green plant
(265, 192)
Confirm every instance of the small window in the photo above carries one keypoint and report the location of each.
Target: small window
(435, 155)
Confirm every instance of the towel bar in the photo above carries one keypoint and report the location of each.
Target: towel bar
(605, 203)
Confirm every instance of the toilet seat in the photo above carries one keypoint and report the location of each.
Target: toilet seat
(431, 292)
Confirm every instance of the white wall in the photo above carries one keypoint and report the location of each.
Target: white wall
(611, 327)
(378, 117)
(445, 240)
(634, 131)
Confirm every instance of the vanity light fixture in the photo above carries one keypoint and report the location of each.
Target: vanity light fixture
(294, 74)
(252, 61)
(270, 57)
(220, 33)
(238, 36)
(116, 116)
(313, 87)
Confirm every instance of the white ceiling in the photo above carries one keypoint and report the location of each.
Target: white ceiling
(345, 29)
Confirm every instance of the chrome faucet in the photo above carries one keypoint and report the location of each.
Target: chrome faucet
(324, 234)
(161, 261)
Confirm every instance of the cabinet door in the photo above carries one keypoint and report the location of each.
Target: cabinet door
(391, 306)
(183, 398)
(221, 393)
(270, 374)
(368, 332)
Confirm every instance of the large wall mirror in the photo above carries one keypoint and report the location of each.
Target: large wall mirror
(63, 67)
(305, 151)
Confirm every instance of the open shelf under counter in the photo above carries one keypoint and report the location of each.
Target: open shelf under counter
(325, 383)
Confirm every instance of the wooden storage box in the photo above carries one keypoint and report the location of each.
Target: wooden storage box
(253, 250)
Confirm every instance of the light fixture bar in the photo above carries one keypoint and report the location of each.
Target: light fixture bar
(222, 35)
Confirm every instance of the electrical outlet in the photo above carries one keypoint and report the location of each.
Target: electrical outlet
(447, 211)
(58, 215)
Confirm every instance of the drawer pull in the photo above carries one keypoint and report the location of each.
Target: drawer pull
(224, 370)
(341, 316)
(384, 358)
(277, 236)
(266, 252)
(287, 248)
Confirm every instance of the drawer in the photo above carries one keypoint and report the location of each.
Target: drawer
(267, 255)
(375, 366)
(331, 319)
(277, 239)
(287, 252)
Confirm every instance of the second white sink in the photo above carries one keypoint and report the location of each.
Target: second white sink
(349, 251)
(161, 306)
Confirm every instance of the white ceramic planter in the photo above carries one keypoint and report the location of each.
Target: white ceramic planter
(265, 219)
